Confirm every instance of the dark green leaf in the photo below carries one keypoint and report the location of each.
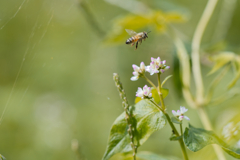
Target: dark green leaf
(175, 138)
(148, 118)
(176, 120)
(197, 138)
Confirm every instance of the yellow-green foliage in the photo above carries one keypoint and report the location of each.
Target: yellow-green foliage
(157, 21)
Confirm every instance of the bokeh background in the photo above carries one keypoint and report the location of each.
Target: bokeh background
(56, 74)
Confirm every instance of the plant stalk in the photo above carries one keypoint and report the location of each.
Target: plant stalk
(196, 68)
(150, 82)
(181, 129)
(197, 37)
(184, 152)
(169, 120)
(160, 93)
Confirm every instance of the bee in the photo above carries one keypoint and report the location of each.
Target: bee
(136, 37)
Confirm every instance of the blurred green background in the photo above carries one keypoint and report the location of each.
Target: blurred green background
(56, 76)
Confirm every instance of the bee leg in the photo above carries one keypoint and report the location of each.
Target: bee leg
(132, 43)
(140, 41)
(136, 45)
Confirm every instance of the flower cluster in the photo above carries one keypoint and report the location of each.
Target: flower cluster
(156, 66)
(144, 93)
(138, 71)
(180, 113)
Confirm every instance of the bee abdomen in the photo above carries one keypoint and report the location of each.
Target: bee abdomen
(129, 40)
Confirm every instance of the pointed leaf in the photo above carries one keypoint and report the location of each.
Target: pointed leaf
(197, 138)
(176, 120)
(234, 81)
(148, 119)
(155, 96)
(237, 72)
(175, 138)
(165, 80)
(165, 92)
(220, 60)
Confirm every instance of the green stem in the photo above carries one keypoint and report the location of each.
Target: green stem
(184, 152)
(149, 81)
(197, 37)
(169, 119)
(160, 93)
(196, 68)
(181, 129)
(159, 107)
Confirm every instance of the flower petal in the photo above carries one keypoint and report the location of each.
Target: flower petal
(134, 78)
(174, 113)
(134, 66)
(187, 118)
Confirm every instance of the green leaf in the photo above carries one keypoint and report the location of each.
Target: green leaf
(137, 99)
(148, 119)
(175, 138)
(165, 80)
(197, 138)
(144, 155)
(155, 96)
(220, 60)
(156, 19)
(234, 81)
(176, 120)
(165, 92)
(237, 72)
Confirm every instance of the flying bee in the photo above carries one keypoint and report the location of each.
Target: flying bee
(136, 37)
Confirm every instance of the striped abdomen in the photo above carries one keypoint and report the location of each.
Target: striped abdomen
(132, 39)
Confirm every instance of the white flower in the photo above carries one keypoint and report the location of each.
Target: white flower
(180, 113)
(138, 71)
(144, 93)
(156, 66)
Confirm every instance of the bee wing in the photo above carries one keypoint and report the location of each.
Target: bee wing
(131, 32)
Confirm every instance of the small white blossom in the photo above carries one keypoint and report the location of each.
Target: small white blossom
(138, 71)
(157, 66)
(180, 113)
(145, 92)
